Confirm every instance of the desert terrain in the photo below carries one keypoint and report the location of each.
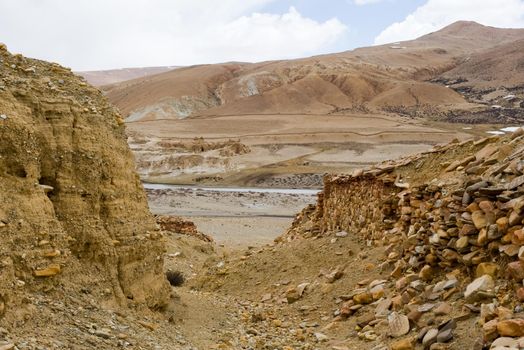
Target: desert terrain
(372, 199)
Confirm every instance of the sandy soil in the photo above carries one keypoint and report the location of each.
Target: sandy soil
(242, 232)
(233, 219)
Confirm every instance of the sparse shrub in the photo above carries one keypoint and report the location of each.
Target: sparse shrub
(175, 278)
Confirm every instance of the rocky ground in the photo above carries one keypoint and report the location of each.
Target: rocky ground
(425, 252)
(436, 252)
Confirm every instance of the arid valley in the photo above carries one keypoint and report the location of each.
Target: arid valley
(366, 199)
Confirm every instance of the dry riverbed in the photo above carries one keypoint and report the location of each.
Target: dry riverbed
(238, 217)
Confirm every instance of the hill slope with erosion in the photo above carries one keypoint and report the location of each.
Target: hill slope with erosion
(494, 77)
(377, 77)
(77, 240)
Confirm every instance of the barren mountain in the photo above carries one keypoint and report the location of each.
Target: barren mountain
(499, 66)
(375, 77)
(112, 76)
(321, 114)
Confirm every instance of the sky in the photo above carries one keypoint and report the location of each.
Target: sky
(106, 34)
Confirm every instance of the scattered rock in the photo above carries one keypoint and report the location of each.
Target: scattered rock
(430, 337)
(475, 289)
(51, 270)
(403, 344)
(398, 324)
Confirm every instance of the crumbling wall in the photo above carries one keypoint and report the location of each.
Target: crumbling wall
(364, 206)
(469, 213)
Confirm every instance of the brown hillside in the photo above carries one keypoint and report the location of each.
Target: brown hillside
(500, 66)
(380, 76)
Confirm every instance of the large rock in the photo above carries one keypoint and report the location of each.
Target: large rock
(487, 268)
(398, 324)
(481, 284)
(511, 328)
(516, 270)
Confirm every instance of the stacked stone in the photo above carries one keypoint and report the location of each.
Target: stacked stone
(461, 232)
(363, 206)
(478, 223)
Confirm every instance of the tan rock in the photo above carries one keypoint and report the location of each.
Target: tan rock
(363, 298)
(481, 284)
(403, 344)
(52, 253)
(426, 273)
(482, 239)
(503, 224)
(334, 275)
(516, 270)
(511, 328)
(514, 218)
(383, 307)
(487, 151)
(487, 207)
(292, 295)
(487, 268)
(510, 250)
(504, 313)
(443, 308)
(462, 242)
(479, 219)
(377, 292)
(489, 330)
(468, 230)
(517, 237)
(520, 294)
(505, 342)
(51, 270)
(487, 312)
(398, 324)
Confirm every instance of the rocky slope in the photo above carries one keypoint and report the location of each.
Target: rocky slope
(424, 252)
(75, 229)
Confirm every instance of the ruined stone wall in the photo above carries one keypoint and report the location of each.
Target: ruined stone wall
(470, 214)
(364, 206)
(73, 213)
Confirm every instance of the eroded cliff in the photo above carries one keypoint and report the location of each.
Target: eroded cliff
(73, 214)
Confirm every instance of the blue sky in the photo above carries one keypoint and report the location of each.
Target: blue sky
(105, 34)
(364, 22)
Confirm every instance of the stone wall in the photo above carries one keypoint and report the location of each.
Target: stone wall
(469, 215)
(364, 206)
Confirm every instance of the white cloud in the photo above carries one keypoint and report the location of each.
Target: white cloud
(436, 14)
(100, 34)
(366, 2)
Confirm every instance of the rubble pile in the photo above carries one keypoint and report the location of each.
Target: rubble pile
(177, 224)
(453, 242)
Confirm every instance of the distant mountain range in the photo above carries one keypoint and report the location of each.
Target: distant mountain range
(404, 76)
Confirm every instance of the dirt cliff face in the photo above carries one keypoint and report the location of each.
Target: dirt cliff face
(73, 215)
